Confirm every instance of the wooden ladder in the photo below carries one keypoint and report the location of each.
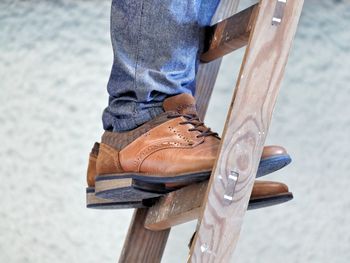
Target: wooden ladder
(267, 30)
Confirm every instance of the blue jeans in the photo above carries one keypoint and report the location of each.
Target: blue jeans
(156, 45)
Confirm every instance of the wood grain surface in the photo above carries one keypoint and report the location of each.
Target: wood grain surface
(245, 131)
(142, 245)
(177, 207)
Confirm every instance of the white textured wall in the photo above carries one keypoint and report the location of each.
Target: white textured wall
(55, 58)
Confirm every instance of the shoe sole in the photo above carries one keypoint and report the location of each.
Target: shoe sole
(92, 201)
(254, 203)
(136, 187)
(273, 164)
(269, 200)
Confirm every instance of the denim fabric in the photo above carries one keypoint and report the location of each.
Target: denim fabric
(155, 45)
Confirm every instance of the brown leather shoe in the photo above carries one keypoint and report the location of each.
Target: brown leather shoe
(264, 193)
(268, 193)
(273, 158)
(172, 150)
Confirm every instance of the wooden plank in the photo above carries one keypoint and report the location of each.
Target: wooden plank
(229, 34)
(142, 245)
(177, 207)
(245, 131)
(206, 77)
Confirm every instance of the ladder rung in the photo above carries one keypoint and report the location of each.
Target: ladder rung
(230, 34)
(177, 207)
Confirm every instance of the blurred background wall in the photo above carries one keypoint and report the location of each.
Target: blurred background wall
(55, 59)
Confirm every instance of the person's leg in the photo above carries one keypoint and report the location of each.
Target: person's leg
(152, 66)
(155, 44)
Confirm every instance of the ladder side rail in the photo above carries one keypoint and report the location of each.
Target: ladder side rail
(248, 120)
(142, 245)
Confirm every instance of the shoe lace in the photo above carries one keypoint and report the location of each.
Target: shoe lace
(199, 126)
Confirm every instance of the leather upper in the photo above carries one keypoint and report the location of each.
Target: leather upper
(170, 149)
(268, 188)
(272, 150)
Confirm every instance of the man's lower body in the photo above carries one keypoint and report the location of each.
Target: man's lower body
(154, 141)
(156, 45)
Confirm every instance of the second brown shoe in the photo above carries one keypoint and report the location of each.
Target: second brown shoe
(172, 150)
